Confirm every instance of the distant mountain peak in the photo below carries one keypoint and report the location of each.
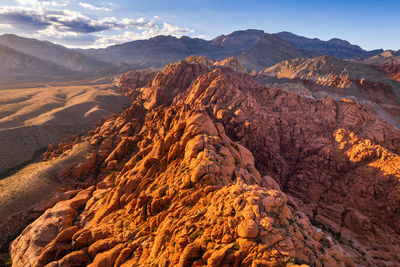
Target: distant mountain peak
(54, 53)
(336, 47)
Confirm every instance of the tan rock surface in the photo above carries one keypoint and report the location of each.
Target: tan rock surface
(29, 192)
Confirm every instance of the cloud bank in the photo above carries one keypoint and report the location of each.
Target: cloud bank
(47, 20)
(92, 7)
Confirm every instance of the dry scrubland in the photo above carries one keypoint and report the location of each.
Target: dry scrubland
(32, 118)
(33, 184)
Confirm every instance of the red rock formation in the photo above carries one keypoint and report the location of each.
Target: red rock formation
(387, 62)
(299, 149)
(392, 70)
(233, 63)
(184, 178)
(373, 89)
(134, 79)
(329, 77)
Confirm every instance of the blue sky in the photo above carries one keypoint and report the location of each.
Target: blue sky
(371, 24)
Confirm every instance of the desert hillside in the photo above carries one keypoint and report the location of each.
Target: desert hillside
(33, 118)
(26, 193)
(52, 53)
(15, 62)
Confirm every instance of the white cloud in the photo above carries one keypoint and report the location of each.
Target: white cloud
(6, 26)
(52, 31)
(92, 7)
(169, 29)
(127, 36)
(66, 20)
(45, 20)
(38, 3)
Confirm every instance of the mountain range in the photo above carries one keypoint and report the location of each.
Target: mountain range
(56, 54)
(256, 49)
(13, 61)
(334, 47)
(387, 62)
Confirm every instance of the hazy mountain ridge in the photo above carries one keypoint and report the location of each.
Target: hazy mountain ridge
(255, 48)
(15, 62)
(161, 50)
(336, 47)
(268, 51)
(54, 53)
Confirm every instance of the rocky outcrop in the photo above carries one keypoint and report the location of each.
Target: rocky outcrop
(392, 71)
(207, 167)
(300, 151)
(134, 79)
(326, 76)
(387, 62)
(154, 89)
(233, 63)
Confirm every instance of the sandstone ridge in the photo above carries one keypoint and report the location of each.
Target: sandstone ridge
(207, 167)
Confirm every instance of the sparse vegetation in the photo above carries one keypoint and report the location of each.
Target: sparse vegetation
(201, 212)
(196, 234)
(184, 167)
(166, 238)
(5, 260)
(294, 261)
(336, 235)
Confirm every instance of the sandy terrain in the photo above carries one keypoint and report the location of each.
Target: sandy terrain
(29, 186)
(32, 118)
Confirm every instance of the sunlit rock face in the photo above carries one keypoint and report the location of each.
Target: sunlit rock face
(370, 84)
(208, 167)
(387, 62)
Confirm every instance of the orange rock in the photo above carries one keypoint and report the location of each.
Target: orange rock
(248, 228)
(194, 187)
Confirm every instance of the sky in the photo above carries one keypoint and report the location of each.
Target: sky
(371, 24)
